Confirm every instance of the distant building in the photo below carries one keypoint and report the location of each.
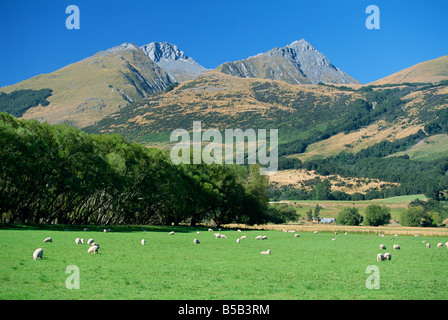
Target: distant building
(327, 220)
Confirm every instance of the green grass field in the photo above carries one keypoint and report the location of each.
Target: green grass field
(311, 266)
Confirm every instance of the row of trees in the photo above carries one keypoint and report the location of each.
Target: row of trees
(374, 215)
(59, 174)
(418, 214)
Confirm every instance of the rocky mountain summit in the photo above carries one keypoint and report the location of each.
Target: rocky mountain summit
(296, 63)
(169, 57)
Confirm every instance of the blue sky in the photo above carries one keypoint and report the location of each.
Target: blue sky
(34, 38)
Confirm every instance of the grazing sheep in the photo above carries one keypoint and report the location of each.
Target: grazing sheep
(223, 236)
(379, 257)
(238, 240)
(333, 239)
(90, 241)
(257, 237)
(77, 240)
(336, 233)
(388, 256)
(196, 241)
(93, 249)
(382, 246)
(171, 233)
(197, 232)
(264, 237)
(396, 247)
(415, 235)
(143, 242)
(210, 230)
(316, 231)
(292, 231)
(81, 240)
(346, 233)
(285, 231)
(428, 245)
(38, 254)
(440, 245)
(238, 230)
(217, 235)
(266, 252)
(95, 245)
(243, 237)
(49, 239)
(296, 235)
(105, 231)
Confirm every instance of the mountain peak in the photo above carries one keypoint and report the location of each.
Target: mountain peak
(164, 50)
(296, 63)
(173, 60)
(126, 46)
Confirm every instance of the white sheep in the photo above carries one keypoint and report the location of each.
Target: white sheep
(428, 245)
(171, 233)
(292, 231)
(266, 252)
(77, 240)
(316, 232)
(296, 235)
(336, 233)
(387, 256)
(264, 237)
(223, 236)
(238, 230)
(90, 241)
(49, 239)
(93, 249)
(243, 237)
(95, 245)
(143, 242)
(198, 232)
(38, 254)
(396, 247)
(333, 239)
(440, 245)
(346, 233)
(382, 246)
(258, 238)
(210, 230)
(196, 241)
(238, 240)
(217, 235)
(105, 231)
(81, 241)
(379, 257)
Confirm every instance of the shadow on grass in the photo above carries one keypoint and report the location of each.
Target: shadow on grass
(97, 228)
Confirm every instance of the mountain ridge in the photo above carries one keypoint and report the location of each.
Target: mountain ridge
(173, 60)
(296, 63)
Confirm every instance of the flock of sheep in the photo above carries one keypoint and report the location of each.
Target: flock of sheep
(94, 247)
(388, 256)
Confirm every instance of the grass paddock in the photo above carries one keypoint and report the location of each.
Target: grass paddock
(312, 266)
